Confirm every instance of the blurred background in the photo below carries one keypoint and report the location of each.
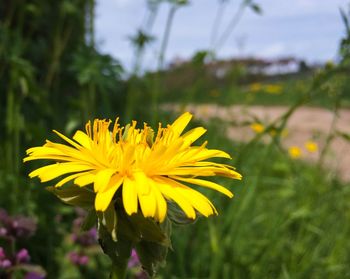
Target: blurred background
(268, 79)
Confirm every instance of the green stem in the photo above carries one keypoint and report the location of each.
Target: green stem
(166, 36)
(118, 270)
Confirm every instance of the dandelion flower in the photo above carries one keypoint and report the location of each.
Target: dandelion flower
(254, 87)
(257, 127)
(311, 146)
(273, 89)
(294, 152)
(147, 170)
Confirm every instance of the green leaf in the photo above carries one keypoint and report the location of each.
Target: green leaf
(256, 8)
(151, 255)
(74, 195)
(344, 135)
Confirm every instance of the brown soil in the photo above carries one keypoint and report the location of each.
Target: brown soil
(305, 124)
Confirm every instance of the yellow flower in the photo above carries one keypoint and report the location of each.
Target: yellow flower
(214, 93)
(311, 146)
(257, 127)
(273, 89)
(254, 87)
(294, 152)
(147, 170)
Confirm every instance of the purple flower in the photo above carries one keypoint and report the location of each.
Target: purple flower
(16, 226)
(22, 256)
(34, 275)
(78, 259)
(3, 232)
(85, 239)
(5, 263)
(2, 253)
(83, 260)
(134, 259)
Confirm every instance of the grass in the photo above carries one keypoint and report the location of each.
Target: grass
(288, 90)
(288, 219)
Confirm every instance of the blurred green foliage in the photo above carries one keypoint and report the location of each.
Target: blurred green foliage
(289, 219)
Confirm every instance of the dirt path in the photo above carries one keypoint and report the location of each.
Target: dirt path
(305, 124)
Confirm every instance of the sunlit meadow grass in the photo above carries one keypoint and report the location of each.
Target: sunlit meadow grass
(289, 219)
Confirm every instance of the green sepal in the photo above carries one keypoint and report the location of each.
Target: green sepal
(74, 195)
(152, 255)
(136, 227)
(109, 220)
(149, 230)
(126, 228)
(177, 216)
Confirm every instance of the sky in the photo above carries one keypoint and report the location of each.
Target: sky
(305, 29)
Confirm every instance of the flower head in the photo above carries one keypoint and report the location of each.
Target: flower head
(16, 226)
(311, 146)
(147, 169)
(78, 258)
(273, 89)
(22, 256)
(257, 127)
(254, 87)
(294, 152)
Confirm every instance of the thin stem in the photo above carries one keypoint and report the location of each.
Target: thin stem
(217, 22)
(166, 36)
(231, 26)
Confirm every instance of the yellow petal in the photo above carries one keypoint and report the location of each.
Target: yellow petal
(129, 196)
(85, 179)
(180, 123)
(161, 208)
(82, 139)
(148, 204)
(67, 179)
(55, 170)
(208, 184)
(210, 153)
(198, 201)
(145, 194)
(142, 183)
(41, 151)
(192, 135)
(67, 139)
(102, 179)
(103, 199)
(171, 193)
(191, 171)
(115, 179)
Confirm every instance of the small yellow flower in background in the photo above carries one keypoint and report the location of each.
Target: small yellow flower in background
(214, 93)
(257, 127)
(273, 89)
(254, 87)
(274, 133)
(284, 133)
(311, 146)
(147, 171)
(294, 152)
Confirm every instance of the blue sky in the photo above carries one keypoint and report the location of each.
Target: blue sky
(308, 29)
